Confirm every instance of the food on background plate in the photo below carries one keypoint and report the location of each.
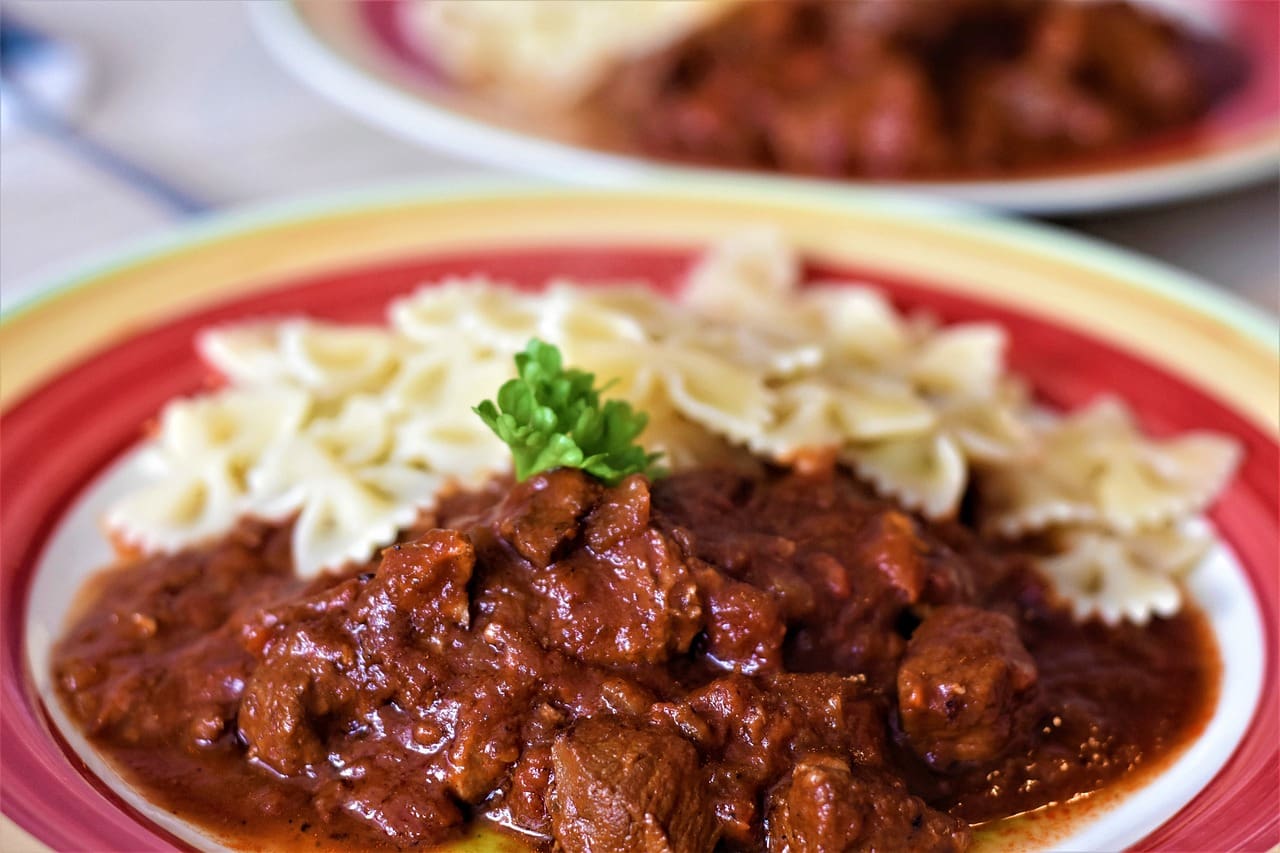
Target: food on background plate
(551, 53)
(775, 567)
(861, 88)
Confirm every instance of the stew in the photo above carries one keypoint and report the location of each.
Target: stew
(717, 660)
(901, 89)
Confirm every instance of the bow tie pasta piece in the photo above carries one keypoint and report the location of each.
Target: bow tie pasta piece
(469, 311)
(198, 465)
(745, 277)
(334, 360)
(239, 423)
(925, 473)
(459, 447)
(567, 319)
(683, 443)
(858, 327)
(347, 518)
(963, 362)
(813, 415)
(921, 454)
(993, 431)
(1016, 505)
(1117, 577)
(724, 397)
(345, 511)
(1173, 549)
(805, 420)
(632, 370)
(773, 356)
(657, 315)
(359, 434)
(327, 359)
(433, 381)
(1161, 480)
(434, 427)
(1094, 467)
(246, 354)
(179, 508)
(871, 408)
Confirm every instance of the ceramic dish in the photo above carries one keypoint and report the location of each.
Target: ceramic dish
(358, 55)
(88, 366)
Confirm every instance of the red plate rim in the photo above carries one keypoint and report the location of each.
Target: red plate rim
(50, 792)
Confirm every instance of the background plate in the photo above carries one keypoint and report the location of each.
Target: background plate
(357, 54)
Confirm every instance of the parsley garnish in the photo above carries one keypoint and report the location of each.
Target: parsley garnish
(551, 417)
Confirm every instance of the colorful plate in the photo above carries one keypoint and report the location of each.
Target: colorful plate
(86, 368)
(357, 53)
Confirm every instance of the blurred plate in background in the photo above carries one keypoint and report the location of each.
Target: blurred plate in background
(362, 55)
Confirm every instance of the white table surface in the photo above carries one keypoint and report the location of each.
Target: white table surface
(183, 87)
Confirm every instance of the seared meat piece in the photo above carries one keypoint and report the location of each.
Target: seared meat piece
(744, 629)
(1144, 65)
(758, 727)
(624, 596)
(311, 650)
(827, 805)
(361, 657)
(542, 514)
(420, 589)
(618, 788)
(838, 566)
(963, 685)
(886, 126)
(168, 641)
(303, 655)
(388, 790)
(1017, 115)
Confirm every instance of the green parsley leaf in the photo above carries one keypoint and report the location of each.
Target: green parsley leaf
(551, 417)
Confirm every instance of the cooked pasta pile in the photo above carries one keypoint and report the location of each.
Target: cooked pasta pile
(550, 53)
(356, 429)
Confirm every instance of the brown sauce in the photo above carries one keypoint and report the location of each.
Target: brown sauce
(933, 90)
(718, 660)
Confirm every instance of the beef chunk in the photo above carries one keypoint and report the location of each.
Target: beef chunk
(542, 514)
(420, 589)
(386, 788)
(826, 804)
(623, 596)
(964, 683)
(304, 654)
(315, 653)
(886, 126)
(1143, 64)
(744, 628)
(621, 788)
(757, 728)
(1021, 113)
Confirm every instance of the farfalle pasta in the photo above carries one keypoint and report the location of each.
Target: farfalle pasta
(355, 430)
(329, 360)
(1130, 577)
(550, 53)
(198, 463)
(1094, 467)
